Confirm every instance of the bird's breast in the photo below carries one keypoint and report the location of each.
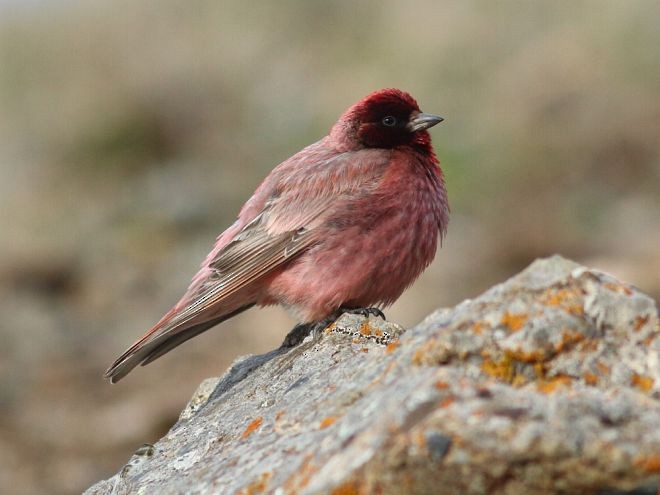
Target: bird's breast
(373, 244)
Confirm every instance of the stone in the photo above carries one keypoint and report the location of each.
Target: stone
(548, 383)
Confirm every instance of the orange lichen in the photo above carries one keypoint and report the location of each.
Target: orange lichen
(554, 298)
(590, 378)
(518, 380)
(279, 415)
(257, 486)
(385, 372)
(378, 333)
(365, 329)
(510, 366)
(502, 369)
(577, 309)
(568, 339)
(568, 299)
(478, 328)
(603, 368)
(300, 478)
(640, 321)
(539, 370)
(328, 421)
(533, 357)
(420, 355)
(621, 289)
(391, 346)
(644, 383)
(650, 464)
(347, 488)
(440, 385)
(550, 385)
(588, 345)
(447, 401)
(419, 439)
(252, 427)
(514, 321)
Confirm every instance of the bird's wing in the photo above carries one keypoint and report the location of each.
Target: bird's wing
(294, 206)
(254, 252)
(298, 196)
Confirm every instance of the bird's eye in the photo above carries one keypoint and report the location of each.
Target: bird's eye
(389, 121)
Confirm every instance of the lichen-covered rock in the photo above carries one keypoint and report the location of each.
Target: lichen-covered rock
(547, 383)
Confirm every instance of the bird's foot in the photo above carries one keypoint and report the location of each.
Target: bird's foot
(366, 312)
(297, 335)
(302, 330)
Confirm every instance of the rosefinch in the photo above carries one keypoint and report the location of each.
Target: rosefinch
(347, 223)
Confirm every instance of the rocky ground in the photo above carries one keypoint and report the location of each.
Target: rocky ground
(548, 383)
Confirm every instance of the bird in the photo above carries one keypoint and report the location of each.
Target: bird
(346, 224)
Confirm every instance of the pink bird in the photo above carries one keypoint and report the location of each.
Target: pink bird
(346, 224)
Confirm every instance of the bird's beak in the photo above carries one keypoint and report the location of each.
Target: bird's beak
(421, 121)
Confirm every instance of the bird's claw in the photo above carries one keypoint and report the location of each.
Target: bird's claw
(302, 330)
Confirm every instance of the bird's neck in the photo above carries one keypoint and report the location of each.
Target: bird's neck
(343, 135)
(422, 144)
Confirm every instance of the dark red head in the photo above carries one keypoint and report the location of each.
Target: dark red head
(386, 119)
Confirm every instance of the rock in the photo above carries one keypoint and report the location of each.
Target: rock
(547, 383)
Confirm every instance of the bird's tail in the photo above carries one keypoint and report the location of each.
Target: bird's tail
(160, 340)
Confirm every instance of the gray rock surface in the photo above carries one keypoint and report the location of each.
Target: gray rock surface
(547, 383)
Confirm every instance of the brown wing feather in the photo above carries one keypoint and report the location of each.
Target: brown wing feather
(253, 254)
(149, 351)
(243, 263)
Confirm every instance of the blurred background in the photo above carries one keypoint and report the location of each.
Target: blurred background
(132, 131)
